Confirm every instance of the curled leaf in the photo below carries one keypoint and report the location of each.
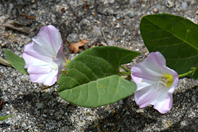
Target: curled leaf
(74, 47)
(4, 62)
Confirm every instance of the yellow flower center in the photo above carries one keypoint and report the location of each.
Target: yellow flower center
(167, 80)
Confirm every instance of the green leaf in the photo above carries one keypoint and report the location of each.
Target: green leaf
(5, 117)
(100, 92)
(175, 37)
(16, 61)
(93, 77)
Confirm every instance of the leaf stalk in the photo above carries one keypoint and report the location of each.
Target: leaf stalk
(189, 72)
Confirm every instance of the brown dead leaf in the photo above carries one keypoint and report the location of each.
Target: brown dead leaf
(30, 17)
(86, 6)
(63, 10)
(74, 47)
(1, 103)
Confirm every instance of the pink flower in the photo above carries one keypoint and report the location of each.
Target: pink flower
(44, 56)
(155, 82)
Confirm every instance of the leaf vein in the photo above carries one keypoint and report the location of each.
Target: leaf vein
(173, 34)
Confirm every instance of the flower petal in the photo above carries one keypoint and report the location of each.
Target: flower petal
(40, 53)
(48, 41)
(152, 87)
(32, 56)
(42, 75)
(163, 103)
(60, 59)
(147, 95)
(141, 71)
(175, 79)
(154, 63)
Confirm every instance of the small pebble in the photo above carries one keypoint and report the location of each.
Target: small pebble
(33, 1)
(184, 6)
(155, 10)
(39, 105)
(97, 30)
(197, 12)
(131, 14)
(111, 42)
(169, 3)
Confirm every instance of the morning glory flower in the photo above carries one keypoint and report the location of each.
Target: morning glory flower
(155, 82)
(44, 56)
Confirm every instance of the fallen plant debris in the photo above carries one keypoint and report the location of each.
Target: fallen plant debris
(86, 6)
(30, 17)
(18, 26)
(74, 47)
(1, 103)
(63, 10)
(5, 117)
(4, 62)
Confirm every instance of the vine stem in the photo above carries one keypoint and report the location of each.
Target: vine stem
(188, 73)
(125, 69)
(64, 71)
(124, 73)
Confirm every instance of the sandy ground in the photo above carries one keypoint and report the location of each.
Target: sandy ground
(102, 22)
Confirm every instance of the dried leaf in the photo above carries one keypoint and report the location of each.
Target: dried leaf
(63, 10)
(86, 6)
(1, 103)
(4, 62)
(74, 47)
(17, 26)
(30, 17)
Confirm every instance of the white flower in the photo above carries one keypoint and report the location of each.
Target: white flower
(44, 56)
(155, 82)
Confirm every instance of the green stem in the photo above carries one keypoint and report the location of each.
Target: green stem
(124, 73)
(125, 69)
(4, 62)
(64, 71)
(188, 73)
(67, 62)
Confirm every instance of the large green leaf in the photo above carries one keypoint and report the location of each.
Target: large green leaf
(175, 37)
(100, 92)
(93, 78)
(16, 61)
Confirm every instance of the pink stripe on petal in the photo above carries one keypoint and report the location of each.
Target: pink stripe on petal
(49, 38)
(146, 96)
(46, 79)
(38, 70)
(30, 51)
(164, 103)
(29, 60)
(161, 61)
(60, 60)
(55, 37)
(154, 62)
(139, 71)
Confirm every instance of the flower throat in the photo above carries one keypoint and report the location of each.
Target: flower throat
(166, 81)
